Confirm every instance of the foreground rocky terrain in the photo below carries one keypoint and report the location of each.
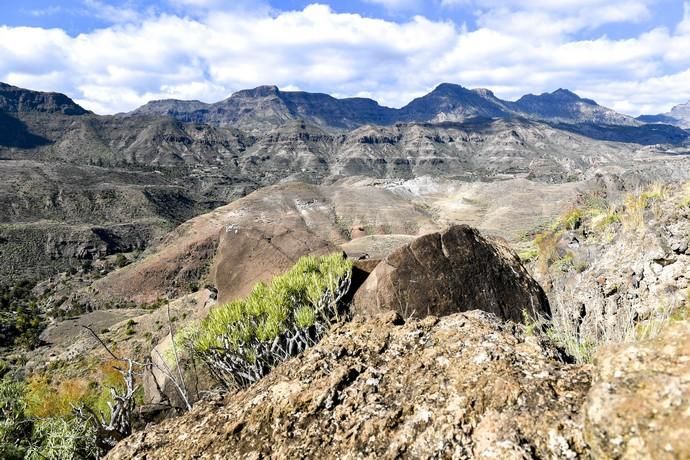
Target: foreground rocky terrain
(461, 386)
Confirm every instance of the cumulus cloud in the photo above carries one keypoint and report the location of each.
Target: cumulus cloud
(209, 56)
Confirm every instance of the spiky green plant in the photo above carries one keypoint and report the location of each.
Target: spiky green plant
(242, 340)
(57, 438)
(52, 438)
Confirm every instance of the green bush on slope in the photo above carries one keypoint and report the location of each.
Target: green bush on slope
(54, 438)
(242, 340)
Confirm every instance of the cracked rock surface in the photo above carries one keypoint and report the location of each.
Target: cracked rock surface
(450, 271)
(639, 406)
(463, 386)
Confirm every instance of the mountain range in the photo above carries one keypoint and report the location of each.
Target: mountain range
(76, 186)
(124, 224)
(268, 106)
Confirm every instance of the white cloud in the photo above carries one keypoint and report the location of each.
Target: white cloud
(516, 48)
(109, 13)
(397, 5)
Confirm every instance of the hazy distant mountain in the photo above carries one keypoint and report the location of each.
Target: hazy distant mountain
(266, 107)
(678, 116)
(449, 102)
(682, 114)
(13, 99)
(565, 106)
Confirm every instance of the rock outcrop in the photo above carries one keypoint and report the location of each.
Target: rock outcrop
(452, 271)
(639, 405)
(608, 277)
(462, 386)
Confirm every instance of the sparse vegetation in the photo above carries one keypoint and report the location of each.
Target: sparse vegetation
(572, 219)
(121, 261)
(344, 227)
(528, 253)
(547, 248)
(21, 320)
(26, 434)
(565, 263)
(579, 329)
(633, 216)
(241, 341)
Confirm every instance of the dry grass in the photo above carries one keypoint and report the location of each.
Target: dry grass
(547, 248)
(580, 341)
(633, 216)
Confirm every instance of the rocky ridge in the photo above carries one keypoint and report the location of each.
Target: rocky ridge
(630, 263)
(267, 106)
(458, 385)
(461, 386)
(19, 100)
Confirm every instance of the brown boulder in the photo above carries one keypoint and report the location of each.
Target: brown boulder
(448, 272)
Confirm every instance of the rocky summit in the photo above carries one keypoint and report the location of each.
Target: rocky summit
(443, 384)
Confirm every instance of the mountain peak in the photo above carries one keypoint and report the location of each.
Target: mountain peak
(564, 105)
(448, 88)
(14, 99)
(566, 94)
(259, 91)
(483, 92)
(452, 102)
(563, 92)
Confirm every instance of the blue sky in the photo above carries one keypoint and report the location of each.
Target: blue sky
(113, 55)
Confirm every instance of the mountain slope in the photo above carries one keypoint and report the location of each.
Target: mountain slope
(67, 172)
(678, 116)
(19, 100)
(565, 106)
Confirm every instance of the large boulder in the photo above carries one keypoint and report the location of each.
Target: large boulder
(448, 272)
(463, 386)
(639, 405)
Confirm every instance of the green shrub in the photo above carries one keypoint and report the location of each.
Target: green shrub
(572, 219)
(26, 436)
(528, 253)
(57, 438)
(121, 261)
(15, 429)
(242, 340)
(21, 320)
